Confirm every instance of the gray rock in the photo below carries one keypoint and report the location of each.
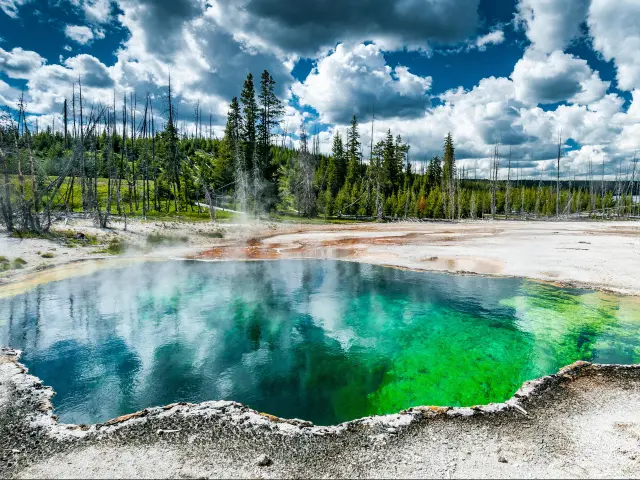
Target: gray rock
(263, 461)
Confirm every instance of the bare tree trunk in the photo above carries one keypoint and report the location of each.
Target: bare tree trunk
(109, 159)
(494, 181)
(212, 210)
(33, 219)
(83, 172)
(558, 177)
(109, 155)
(507, 195)
(472, 205)
(5, 203)
(134, 175)
(129, 157)
(592, 193)
(21, 199)
(122, 154)
(538, 193)
(458, 198)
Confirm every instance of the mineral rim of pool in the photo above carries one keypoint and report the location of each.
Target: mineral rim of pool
(325, 341)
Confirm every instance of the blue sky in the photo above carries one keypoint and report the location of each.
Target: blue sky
(514, 72)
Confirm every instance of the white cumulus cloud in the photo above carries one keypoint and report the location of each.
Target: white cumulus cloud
(549, 78)
(308, 27)
(19, 63)
(11, 7)
(551, 24)
(495, 37)
(79, 33)
(615, 28)
(355, 79)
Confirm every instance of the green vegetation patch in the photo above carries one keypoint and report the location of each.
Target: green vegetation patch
(216, 234)
(159, 239)
(336, 340)
(6, 264)
(19, 262)
(72, 238)
(69, 238)
(117, 246)
(25, 235)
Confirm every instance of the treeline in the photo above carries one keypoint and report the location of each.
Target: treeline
(386, 187)
(116, 160)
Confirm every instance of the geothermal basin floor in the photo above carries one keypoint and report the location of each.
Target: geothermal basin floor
(584, 422)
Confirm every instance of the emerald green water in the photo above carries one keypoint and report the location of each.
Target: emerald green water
(325, 341)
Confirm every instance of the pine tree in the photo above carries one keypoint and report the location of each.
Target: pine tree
(353, 140)
(65, 119)
(232, 132)
(332, 181)
(169, 148)
(271, 110)
(353, 151)
(339, 157)
(449, 173)
(304, 138)
(379, 174)
(434, 173)
(389, 164)
(400, 154)
(250, 111)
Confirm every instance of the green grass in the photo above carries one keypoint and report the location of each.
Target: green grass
(314, 220)
(216, 234)
(116, 247)
(23, 235)
(16, 264)
(186, 216)
(72, 238)
(159, 239)
(169, 214)
(47, 255)
(69, 238)
(167, 210)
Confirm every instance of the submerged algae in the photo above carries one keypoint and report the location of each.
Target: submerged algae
(325, 341)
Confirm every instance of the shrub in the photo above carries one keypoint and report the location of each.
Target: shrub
(159, 239)
(19, 263)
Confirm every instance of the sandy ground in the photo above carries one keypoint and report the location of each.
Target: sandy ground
(599, 255)
(602, 255)
(575, 425)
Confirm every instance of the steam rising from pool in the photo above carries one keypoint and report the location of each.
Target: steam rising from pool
(325, 341)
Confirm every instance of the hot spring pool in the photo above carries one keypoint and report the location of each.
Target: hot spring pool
(324, 341)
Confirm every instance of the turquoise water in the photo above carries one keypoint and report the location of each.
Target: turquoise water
(325, 341)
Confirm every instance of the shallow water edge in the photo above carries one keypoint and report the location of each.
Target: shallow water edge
(23, 282)
(36, 397)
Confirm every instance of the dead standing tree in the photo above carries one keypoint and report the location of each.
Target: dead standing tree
(305, 189)
(34, 208)
(507, 195)
(558, 176)
(7, 127)
(495, 165)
